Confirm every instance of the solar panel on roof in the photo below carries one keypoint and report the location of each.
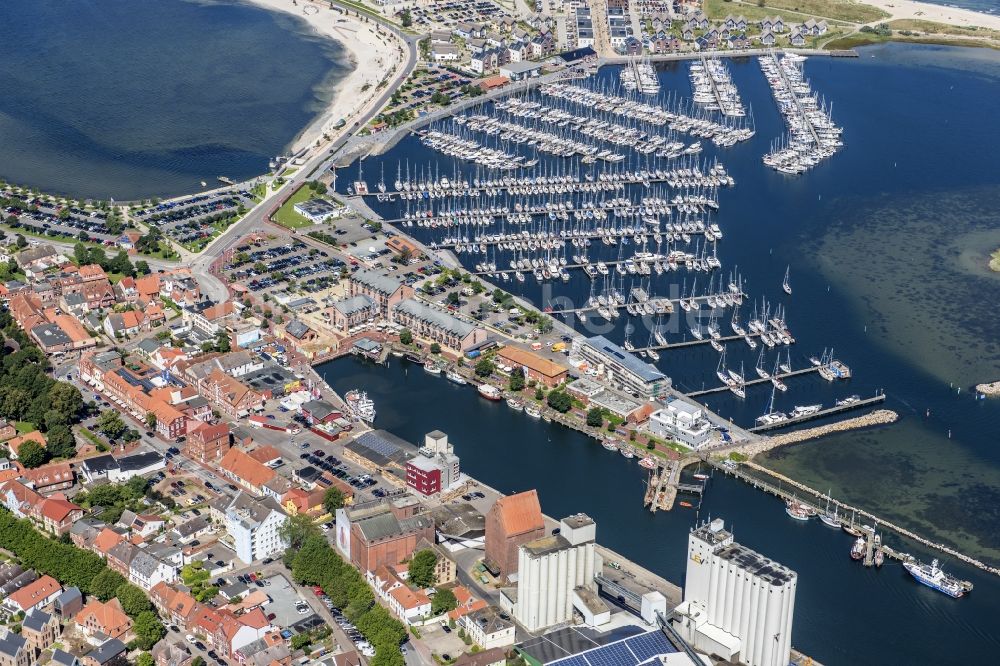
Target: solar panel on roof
(649, 645)
(628, 652)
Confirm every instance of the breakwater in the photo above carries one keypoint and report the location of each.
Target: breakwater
(878, 417)
(844, 509)
(992, 389)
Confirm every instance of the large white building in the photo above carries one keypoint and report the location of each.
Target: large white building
(737, 604)
(622, 369)
(681, 421)
(556, 573)
(255, 527)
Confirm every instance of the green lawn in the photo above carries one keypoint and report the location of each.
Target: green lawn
(286, 215)
(24, 426)
(841, 10)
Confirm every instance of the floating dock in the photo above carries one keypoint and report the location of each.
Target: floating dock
(829, 411)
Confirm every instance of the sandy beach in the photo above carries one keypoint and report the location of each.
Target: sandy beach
(374, 56)
(908, 9)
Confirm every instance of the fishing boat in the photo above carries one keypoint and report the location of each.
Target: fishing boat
(686, 505)
(489, 392)
(432, 369)
(797, 510)
(533, 412)
(456, 378)
(933, 577)
(609, 445)
(626, 452)
(879, 558)
(785, 284)
(701, 476)
(648, 462)
(858, 549)
(514, 404)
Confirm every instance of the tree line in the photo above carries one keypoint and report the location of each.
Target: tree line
(80, 568)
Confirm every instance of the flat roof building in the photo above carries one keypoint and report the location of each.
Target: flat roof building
(623, 369)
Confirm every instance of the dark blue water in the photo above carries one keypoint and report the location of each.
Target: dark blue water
(984, 6)
(887, 244)
(138, 98)
(844, 614)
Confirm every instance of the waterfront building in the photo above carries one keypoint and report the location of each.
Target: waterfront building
(556, 576)
(533, 366)
(254, 525)
(622, 369)
(512, 521)
(680, 421)
(428, 322)
(351, 313)
(317, 211)
(384, 291)
(738, 604)
(437, 467)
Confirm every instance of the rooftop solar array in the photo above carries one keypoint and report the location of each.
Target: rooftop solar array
(628, 652)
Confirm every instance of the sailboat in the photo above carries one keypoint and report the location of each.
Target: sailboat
(721, 371)
(770, 416)
(778, 384)
(738, 383)
(761, 370)
(785, 284)
(831, 519)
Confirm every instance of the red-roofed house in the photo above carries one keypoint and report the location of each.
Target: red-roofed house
(19, 499)
(244, 470)
(107, 618)
(56, 514)
(50, 478)
(38, 594)
(207, 443)
(14, 445)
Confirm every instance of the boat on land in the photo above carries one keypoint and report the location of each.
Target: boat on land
(933, 577)
(489, 392)
(456, 378)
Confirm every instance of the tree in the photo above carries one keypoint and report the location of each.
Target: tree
(297, 529)
(406, 20)
(539, 393)
(517, 381)
(136, 487)
(105, 585)
(560, 401)
(148, 630)
(21, 242)
(484, 367)
(453, 298)
(67, 400)
(151, 420)
(435, 348)
(300, 641)
(595, 417)
(333, 499)
(222, 341)
(444, 601)
(406, 337)
(111, 424)
(32, 454)
(145, 659)
(61, 443)
(133, 600)
(80, 253)
(422, 568)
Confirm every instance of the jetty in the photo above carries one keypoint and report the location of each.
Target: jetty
(992, 389)
(752, 382)
(829, 411)
(877, 417)
(789, 489)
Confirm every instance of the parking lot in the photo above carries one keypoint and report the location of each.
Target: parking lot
(450, 14)
(194, 221)
(66, 223)
(282, 266)
(416, 93)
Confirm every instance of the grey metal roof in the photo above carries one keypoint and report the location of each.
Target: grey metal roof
(434, 317)
(380, 283)
(354, 304)
(139, 461)
(63, 658)
(50, 335)
(296, 329)
(144, 564)
(107, 651)
(645, 371)
(36, 620)
(100, 464)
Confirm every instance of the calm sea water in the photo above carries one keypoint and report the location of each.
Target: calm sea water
(138, 98)
(984, 6)
(844, 614)
(887, 244)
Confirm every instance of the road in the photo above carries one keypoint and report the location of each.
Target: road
(320, 159)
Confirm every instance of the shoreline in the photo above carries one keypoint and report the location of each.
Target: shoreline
(371, 56)
(925, 11)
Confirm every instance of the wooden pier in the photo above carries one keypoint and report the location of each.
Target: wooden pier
(567, 239)
(829, 411)
(463, 188)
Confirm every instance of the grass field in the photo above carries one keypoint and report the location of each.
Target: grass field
(916, 25)
(286, 215)
(24, 426)
(863, 39)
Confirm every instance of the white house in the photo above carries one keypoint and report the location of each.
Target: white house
(681, 421)
(255, 527)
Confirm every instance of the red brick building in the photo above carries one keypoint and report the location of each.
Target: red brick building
(512, 521)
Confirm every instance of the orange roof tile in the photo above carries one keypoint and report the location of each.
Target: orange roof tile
(35, 592)
(520, 513)
(57, 509)
(34, 436)
(106, 540)
(244, 467)
(109, 617)
(531, 361)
